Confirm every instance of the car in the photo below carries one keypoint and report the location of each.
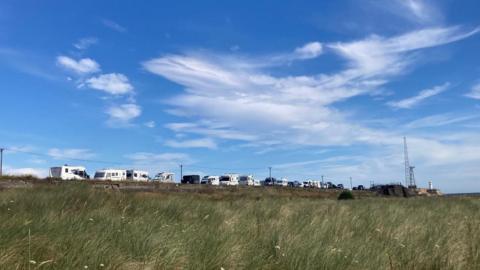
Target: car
(295, 184)
(340, 186)
(269, 181)
(361, 187)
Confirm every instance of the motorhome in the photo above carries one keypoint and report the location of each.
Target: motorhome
(191, 179)
(111, 174)
(248, 180)
(211, 180)
(69, 172)
(229, 179)
(164, 177)
(282, 182)
(135, 175)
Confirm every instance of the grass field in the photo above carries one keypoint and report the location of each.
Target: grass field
(74, 226)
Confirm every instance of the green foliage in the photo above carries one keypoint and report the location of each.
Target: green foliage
(346, 195)
(74, 225)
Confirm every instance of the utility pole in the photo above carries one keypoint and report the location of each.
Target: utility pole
(270, 173)
(181, 172)
(322, 182)
(1, 161)
(351, 185)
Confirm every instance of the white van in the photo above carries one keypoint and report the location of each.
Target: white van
(248, 180)
(69, 172)
(111, 174)
(283, 182)
(165, 177)
(135, 175)
(211, 180)
(229, 179)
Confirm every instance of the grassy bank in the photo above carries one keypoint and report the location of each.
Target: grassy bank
(75, 226)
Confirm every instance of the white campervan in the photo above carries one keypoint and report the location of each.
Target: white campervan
(211, 180)
(135, 175)
(69, 172)
(165, 177)
(229, 179)
(283, 182)
(111, 174)
(248, 180)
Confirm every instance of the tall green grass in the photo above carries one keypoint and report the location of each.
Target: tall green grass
(74, 226)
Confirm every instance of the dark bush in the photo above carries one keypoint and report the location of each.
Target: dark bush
(346, 195)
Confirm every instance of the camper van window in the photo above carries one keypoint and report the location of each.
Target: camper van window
(135, 175)
(109, 175)
(99, 175)
(66, 170)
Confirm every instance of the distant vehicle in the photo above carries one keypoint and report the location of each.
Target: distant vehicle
(164, 177)
(283, 182)
(229, 179)
(360, 187)
(312, 184)
(111, 174)
(211, 180)
(269, 181)
(340, 186)
(295, 184)
(248, 180)
(191, 179)
(69, 172)
(135, 175)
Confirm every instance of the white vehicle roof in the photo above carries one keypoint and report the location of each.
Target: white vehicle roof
(111, 170)
(70, 167)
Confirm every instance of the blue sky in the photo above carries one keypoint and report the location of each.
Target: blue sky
(310, 88)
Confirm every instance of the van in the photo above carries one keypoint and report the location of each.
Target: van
(230, 179)
(211, 180)
(191, 179)
(164, 177)
(69, 172)
(248, 180)
(111, 174)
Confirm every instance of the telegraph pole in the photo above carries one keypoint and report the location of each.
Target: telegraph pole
(351, 185)
(181, 172)
(1, 161)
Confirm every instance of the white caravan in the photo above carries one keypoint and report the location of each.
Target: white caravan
(165, 177)
(211, 180)
(314, 184)
(248, 180)
(283, 182)
(137, 175)
(69, 172)
(229, 179)
(111, 174)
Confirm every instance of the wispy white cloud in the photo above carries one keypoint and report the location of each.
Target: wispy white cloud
(296, 110)
(409, 103)
(419, 10)
(309, 50)
(112, 83)
(150, 124)
(474, 92)
(159, 162)
(81, 67)
(73, 153)
(85, 43)
(193, 143)
(114, 26)
(124, 113)
(440, 120)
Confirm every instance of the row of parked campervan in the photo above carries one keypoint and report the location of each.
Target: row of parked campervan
(80, 173)
(67, 172)
(229, 179)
